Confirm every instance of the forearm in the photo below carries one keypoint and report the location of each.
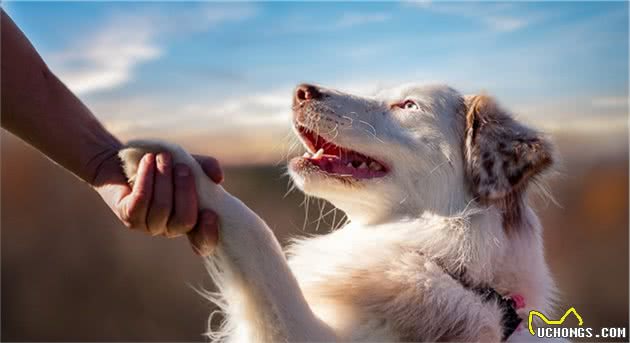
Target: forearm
(39, 108)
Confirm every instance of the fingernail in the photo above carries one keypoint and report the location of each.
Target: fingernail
(148, 157)
(163, 159)
(182, 170)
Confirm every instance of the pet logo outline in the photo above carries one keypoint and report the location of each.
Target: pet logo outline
(553, 322)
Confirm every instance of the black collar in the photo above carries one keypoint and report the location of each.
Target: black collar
(510, 321)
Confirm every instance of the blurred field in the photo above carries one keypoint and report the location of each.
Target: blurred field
(70, 272)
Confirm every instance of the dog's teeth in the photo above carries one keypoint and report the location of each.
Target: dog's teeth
(306, 155)
(318, 154)
(375, 166)
(349, 165)
(363, 166)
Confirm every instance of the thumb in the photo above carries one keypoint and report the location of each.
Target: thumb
(205, 236)
(211, 167)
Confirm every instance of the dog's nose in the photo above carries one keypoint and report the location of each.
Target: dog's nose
(306, 92)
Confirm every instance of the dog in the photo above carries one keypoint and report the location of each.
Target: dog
(441, 244)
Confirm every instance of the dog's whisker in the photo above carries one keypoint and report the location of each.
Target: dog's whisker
(322, 206)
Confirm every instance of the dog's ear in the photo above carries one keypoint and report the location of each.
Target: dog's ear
(501, 155)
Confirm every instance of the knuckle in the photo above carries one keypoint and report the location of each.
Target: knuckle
(160, 206)
(127, 219)
(181, 225)
(157, 221)
(136, 206)
(142, 196)
(156, 231)
(133, 223)
(131, 218)
(189, 223)
(172, 234)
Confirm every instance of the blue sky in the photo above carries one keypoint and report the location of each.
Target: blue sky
(192, 70)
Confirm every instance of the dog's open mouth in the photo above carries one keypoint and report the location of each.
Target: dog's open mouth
(338, 161)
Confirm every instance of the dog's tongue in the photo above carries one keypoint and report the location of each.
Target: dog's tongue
(349, 167)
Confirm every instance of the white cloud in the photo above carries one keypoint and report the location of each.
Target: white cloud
(610, 101)
(355, 19)
(254, 126)
(264, 109)
(505, 24)
(108, 57)
(421, 3)
(220, 14)
(302, 23)
(206, 16)
(494, 16)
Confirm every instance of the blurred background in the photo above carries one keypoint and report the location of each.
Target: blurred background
(217, 78)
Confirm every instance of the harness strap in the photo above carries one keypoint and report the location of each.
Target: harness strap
(511, 320)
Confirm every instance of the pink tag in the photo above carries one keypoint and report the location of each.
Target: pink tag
(519, 301)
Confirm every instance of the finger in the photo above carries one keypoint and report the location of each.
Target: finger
(135, 205)
(205, 236)
(211, 167)
(162, 199)
(184, 214)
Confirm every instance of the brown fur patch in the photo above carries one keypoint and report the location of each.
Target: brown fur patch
(502, 156)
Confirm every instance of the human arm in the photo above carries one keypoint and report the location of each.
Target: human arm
(37, 107)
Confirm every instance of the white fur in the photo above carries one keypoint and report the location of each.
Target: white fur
(376, 278)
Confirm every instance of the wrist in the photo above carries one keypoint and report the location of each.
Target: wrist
(103, 167)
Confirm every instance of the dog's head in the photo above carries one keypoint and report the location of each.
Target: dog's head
(411, 149)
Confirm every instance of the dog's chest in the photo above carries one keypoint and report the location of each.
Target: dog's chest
(353, 282)
(343, 280)
(522, 271)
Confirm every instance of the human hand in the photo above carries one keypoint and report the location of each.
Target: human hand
(163, 199)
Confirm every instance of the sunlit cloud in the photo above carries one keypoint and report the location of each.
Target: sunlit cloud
(264, 109)
(256, 128)
(610, 101)
(108, 57)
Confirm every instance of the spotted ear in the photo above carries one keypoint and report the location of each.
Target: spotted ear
(501, 155)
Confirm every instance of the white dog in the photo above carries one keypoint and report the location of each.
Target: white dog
(441, 244)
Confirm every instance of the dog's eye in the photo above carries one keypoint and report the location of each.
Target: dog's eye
(409, 105)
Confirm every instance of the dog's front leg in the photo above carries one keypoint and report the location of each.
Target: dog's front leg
(259, 295)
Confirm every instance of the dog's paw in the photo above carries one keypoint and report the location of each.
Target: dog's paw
(133, 152)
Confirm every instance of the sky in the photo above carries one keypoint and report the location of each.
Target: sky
(219, 76)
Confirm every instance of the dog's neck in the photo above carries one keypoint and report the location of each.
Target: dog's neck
(473, 239)
(390, 207)
(383, 208)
